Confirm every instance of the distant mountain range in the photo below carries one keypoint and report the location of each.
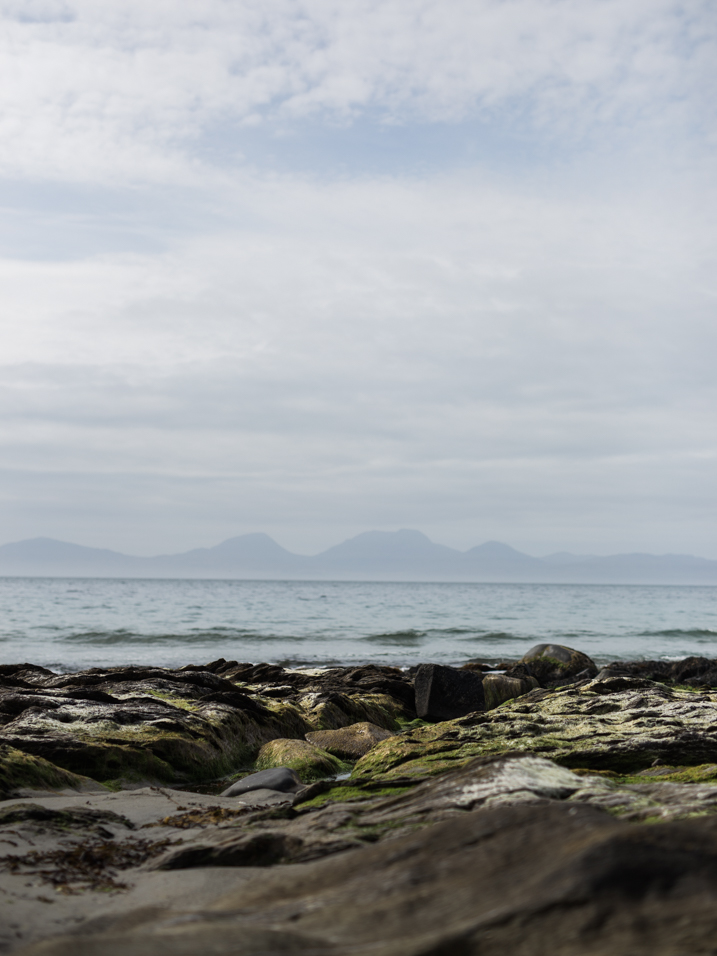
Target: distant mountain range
(374, 555)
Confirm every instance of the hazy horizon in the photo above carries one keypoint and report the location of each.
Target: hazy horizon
(314, 268)
(388, 535)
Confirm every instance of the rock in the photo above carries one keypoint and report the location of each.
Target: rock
(336, 696)
(309, 762)
(247, 849)
(282, 779)
(620, 724)
(443, 693)
(497, 688)
(125, 725)
(21, 772)
(333, 817)
(555, 663)
(349, 743)
(691, 672)
(548, 879)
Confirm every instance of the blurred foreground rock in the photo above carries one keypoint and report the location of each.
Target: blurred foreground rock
(508, 854)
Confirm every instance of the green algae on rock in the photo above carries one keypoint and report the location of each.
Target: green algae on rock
(554, 663)
(619, 724)
(22, 771)
(310, 762)
(331, 818)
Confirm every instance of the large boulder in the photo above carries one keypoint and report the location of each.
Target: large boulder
(556, 663)
(349, 743)
(443, 693)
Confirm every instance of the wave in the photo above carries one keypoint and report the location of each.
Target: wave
(681, 632)
(496, 636)
(201, 638)
(409, 638)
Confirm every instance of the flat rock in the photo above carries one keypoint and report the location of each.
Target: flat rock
(691, 671)
(129, 725)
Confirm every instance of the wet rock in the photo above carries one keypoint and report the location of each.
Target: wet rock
(555, 663)
(281, 779)
(309, 762)
(618, 724)
(82, 819)
(349, 743)
(443, 693)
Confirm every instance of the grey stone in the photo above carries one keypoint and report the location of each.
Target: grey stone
(278, 778)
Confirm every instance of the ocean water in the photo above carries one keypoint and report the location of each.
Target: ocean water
(71, 623)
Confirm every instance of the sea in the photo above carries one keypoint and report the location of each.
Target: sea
(67, 624)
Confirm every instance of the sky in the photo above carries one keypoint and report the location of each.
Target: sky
(313, 268)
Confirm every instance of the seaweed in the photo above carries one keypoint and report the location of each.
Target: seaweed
(85, 866)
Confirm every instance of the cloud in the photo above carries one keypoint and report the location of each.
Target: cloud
(376, 347)
(198, 343)
(127, 91)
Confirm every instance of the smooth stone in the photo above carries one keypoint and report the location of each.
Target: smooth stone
(281, 779)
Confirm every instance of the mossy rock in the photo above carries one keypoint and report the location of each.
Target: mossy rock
(621, 725)
(349, 743)
(341, 710)
(310, 762)
(552, 663)
(23, 771)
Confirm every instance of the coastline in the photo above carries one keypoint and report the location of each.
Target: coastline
(115, 834)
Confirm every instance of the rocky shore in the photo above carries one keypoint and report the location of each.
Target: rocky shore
(538, 806)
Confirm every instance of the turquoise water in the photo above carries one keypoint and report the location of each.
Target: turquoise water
(70, 623)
